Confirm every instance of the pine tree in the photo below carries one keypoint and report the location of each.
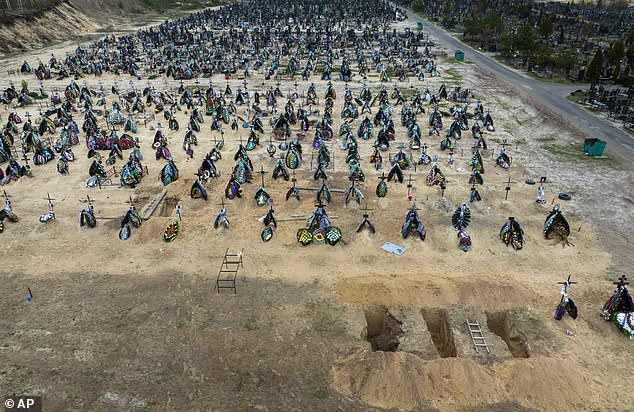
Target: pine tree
(596, 66)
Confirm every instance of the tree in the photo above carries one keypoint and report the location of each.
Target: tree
(625, 79)
(629, 38)
(567, 60)
(472, 26)
(616, 52)
(419, 7)
(596, 66)
(546, 26)
(630, 55)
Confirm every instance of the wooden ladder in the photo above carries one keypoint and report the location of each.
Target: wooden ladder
(228, 272)
(477, 336)
(151, 207)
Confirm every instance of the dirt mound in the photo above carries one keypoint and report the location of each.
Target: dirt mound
(39, 30)
(383, 379)
(405, 381)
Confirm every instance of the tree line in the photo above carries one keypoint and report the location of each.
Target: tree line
(594, 38)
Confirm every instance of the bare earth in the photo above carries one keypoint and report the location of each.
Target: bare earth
(136, 325)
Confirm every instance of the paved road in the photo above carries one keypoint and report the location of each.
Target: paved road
(551, 95)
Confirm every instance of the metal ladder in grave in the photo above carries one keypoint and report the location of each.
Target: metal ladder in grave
(477, 336)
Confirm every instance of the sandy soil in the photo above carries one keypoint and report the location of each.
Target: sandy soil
(137, 325)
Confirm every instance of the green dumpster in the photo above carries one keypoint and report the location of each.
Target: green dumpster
(459, 55)
(420, 26)
(594, 147)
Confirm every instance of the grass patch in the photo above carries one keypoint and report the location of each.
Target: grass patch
(324, 320)
(451, 74)
(546, 139)
(554, 79)
(628, 130)
(502, 104)
(322, 392)
(250, 323)
(573, 153)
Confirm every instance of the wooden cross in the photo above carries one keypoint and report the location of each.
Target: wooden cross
(319, 204)
(409, 185)
(6, 196)
(366, 210)
(567, 283)
(508, 188)
(222, 202)
(622, 282)
(50, 201)
(130, 201)
(262, 172)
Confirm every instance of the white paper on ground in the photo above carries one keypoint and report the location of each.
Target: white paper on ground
(392, 248)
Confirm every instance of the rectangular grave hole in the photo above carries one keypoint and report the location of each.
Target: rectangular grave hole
(502, 324)
(169, 206)
(437, 322)
(383, 329)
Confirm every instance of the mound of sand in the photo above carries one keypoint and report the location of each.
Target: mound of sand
(45, 28)
(405, 381)
(382, 379)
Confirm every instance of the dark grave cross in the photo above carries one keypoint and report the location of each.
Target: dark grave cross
(6, 198)
(24, 157)
(262, 172)
(504, 143)
(50, 201)
(222, 202)
(622, 281)
(409, 185)
(566, 283)
(414, 207)
(319, 204)
(294, 179)
(508, 188)
(365, 211)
